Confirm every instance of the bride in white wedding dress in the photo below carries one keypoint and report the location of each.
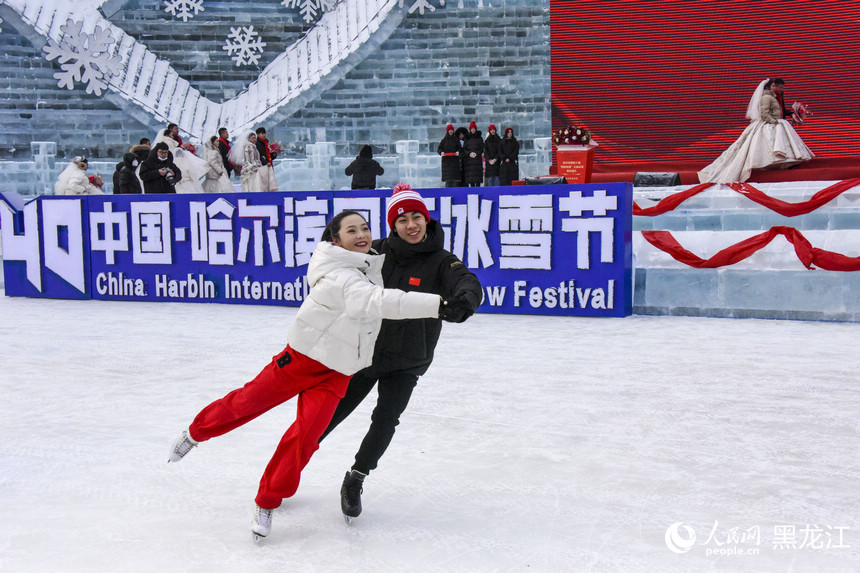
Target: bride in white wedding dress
(768, 141)
(193, 168)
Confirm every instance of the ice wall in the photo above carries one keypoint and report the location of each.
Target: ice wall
(460, 61)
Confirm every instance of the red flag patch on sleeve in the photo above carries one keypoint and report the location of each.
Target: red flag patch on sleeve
(414, 281)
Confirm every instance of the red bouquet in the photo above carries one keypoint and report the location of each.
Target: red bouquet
(799, 112)
(571, 135)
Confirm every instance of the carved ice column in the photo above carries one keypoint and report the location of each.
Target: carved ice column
(44, 158)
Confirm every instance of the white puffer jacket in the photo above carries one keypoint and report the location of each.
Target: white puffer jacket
(74, 181)
(338, 323)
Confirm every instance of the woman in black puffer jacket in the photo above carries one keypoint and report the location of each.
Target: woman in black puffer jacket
(449, 149)
(491, 155)
(473, 157)
(509, 153)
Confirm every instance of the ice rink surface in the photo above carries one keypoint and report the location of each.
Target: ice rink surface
(536, 444)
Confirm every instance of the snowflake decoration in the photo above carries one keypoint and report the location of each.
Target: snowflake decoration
(422, 5)
(182, 8)
(83, 57)
(310, 8)
(246, 44)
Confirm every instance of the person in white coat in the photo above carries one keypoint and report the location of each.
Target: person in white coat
(244, 152)
(331, 338)
(73, 180)
(217, 180)
(769, 141)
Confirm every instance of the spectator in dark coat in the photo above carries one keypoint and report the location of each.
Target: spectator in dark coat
(115, 178)
(159, 173)
(449, 149)
(364, 169)
(128, 182)
(473, 158)
(509, 153)
(491, 155)
(415, 260)
(461, 134)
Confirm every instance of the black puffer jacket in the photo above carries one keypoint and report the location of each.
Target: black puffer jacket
(509, 154)
(473, 167)
(153, 181)
(116, 175)
(128, 183)
(364, 169)
(491, 151)
(408, 345)
(450, 144)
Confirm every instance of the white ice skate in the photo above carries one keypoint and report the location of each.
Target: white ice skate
(262, 523)
(181, 446)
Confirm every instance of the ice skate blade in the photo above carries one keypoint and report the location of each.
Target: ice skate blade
(257, 537)
(348, 519)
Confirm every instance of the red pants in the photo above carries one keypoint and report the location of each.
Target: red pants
(319, 389)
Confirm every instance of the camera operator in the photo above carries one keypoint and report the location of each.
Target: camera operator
(158, 172)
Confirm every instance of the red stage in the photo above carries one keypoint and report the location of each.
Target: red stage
(663, 85)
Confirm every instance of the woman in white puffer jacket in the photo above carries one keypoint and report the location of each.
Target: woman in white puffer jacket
(331, 338)
(73, 180)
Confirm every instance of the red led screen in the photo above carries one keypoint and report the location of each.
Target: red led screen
(671, 79)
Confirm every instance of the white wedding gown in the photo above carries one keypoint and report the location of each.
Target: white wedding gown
(760, 145)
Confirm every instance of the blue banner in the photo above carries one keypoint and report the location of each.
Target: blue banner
(544, 249)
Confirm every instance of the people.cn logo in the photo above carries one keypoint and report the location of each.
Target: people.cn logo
(680, 538)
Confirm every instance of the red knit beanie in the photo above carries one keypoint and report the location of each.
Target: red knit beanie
(449, 128)
(473, 125)
(404, 200)
(491, 128)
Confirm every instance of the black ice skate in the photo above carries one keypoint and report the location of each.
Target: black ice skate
(350, 495)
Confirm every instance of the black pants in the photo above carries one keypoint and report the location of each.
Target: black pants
(394, 391)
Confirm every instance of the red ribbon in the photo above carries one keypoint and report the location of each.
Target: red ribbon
(810, 256)
(782, 207)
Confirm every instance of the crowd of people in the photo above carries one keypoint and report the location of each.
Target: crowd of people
(167, 164)
(469, 160)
